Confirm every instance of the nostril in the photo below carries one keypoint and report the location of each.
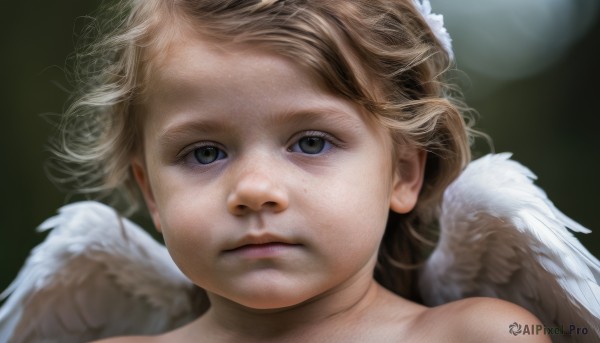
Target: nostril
(270, 204)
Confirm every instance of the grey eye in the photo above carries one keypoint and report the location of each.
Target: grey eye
(311, 145)
(208, 154)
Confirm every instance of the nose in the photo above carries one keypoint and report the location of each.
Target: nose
(256, 191)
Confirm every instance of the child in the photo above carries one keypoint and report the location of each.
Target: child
(270, 139)
(291, 153)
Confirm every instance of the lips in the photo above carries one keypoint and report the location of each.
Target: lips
(260, 239)
(264, 245)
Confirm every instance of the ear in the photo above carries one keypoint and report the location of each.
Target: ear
(408, 180)
(140, 174)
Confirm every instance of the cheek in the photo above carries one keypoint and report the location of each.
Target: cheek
(368, 195)
(352, 210)
(191, 244)
(188, 224)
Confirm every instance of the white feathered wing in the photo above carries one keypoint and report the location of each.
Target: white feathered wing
(96, 275)
(501, 237)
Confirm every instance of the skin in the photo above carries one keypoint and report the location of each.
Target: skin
(297, 165)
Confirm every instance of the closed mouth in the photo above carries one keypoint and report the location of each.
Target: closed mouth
(264, 240)
(262, 250)
(262, 245)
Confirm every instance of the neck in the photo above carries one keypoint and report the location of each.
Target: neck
(326, 313)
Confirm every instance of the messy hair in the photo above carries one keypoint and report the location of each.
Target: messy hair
(379, 54)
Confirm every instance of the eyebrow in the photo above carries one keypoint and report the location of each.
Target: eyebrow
(333, 116)
(187, 127)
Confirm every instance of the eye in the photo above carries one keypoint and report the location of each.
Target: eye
(312, 144)
(208, 154)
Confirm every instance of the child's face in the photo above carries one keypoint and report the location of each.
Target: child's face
(268, 189)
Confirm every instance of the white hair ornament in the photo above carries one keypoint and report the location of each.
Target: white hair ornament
(436, 23)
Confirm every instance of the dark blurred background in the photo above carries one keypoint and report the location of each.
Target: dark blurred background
(534, 86)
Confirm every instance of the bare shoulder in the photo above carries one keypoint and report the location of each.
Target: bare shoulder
(482, 320)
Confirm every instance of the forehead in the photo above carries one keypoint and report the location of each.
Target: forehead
(332, 60)
(209, 73)
(207, 62)
(201, 74)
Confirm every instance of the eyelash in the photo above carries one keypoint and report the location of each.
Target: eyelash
(186, 156)
(327, 138)
(188, 153)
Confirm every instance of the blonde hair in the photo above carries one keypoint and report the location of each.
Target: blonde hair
(378, 53)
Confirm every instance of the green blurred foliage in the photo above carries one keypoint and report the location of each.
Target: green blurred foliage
(549, 121)
(36, 37)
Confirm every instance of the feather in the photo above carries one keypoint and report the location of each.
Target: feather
(500, 236)
(95, 275)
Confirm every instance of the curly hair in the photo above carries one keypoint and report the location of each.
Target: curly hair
(380, 54)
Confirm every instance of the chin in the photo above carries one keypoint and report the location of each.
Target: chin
(268, 296)
(270, 300)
